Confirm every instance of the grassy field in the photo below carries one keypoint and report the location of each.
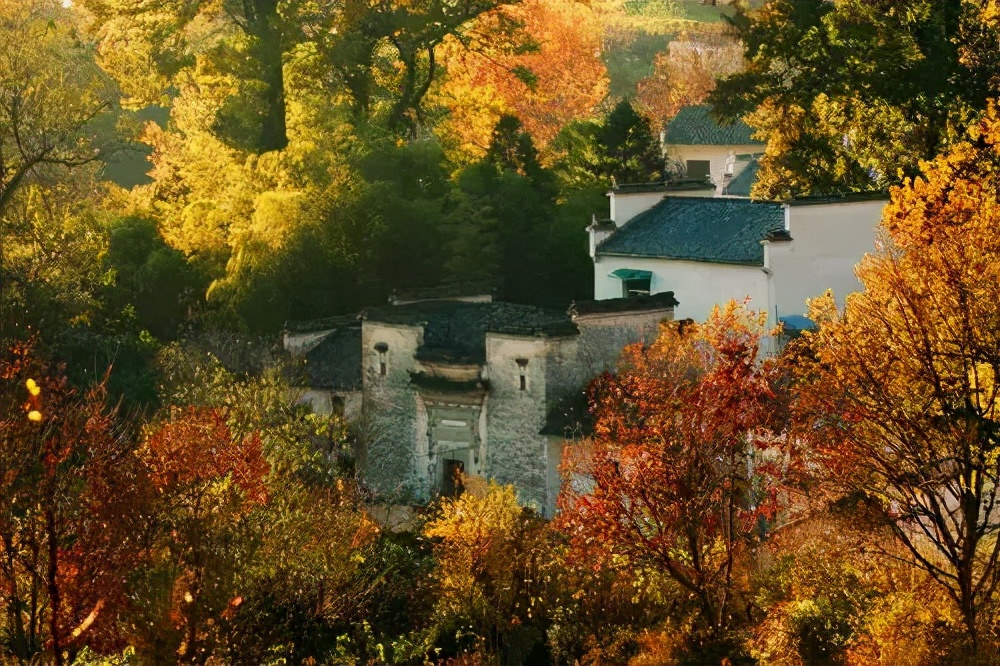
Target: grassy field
(694, 10)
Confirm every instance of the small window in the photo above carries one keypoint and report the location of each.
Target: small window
(522, 367)
(636, 287)
(382, 349)
(699, 169)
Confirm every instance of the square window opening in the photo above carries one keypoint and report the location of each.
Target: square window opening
(699, 169)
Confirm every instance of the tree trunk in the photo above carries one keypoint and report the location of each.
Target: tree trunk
(53, 585)
(273, 131)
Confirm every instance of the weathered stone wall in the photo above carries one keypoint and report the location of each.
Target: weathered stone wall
(603, 337)
(391, 424)
(515, 451)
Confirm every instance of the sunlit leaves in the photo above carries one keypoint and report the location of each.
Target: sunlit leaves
(903, 403)
(550, 74)
(51, 91)
(852, 95)
(73, 506)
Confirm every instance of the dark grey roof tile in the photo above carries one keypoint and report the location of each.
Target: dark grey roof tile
(694, 126)
(699, 229)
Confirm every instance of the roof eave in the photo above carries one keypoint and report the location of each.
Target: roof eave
(697, 259)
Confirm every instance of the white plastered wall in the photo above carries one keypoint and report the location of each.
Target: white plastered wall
(697, 285)
(828, 240)
(402, 341)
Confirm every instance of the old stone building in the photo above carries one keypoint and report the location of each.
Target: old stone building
(470, 386)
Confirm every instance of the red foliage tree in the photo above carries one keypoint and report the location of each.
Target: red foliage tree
(73, 513)
(675, 474)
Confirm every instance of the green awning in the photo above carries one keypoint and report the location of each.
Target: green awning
(631, 274)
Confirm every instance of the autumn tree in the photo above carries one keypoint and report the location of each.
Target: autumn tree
(686, 73)
(852, 95)
(290, 569)
(74, 513)
(414, 31)
(146, 44)
(675, 475)
(487, 552)
(547, 73)
(52, 93)
(381, 56)
(206, 482)
(906, 377)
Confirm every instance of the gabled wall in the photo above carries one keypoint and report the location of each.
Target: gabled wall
(516, 451)
(395, 429)
(828, 240)
(625, 204)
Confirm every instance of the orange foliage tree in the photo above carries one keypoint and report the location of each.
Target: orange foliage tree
(72, 512)
(675, 475)
(549, 74)
(904, 401)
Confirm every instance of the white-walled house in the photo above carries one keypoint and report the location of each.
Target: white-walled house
(708, 251)
(708, 150)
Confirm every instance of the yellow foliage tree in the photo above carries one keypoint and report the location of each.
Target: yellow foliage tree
(51, 92)
(218, 203)
(908, 406)
(486, 547)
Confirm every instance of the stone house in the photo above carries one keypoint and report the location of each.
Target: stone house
(331, 349)
(707, 251)
(710, 151)
(468, 385)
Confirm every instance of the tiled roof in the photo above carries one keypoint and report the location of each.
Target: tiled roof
(458, 330)
(717, 230)
(694, 126)
(335, 363)
(850, 197)
(316, 325)
(659, 301)
(453, 290)
(663, 186)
